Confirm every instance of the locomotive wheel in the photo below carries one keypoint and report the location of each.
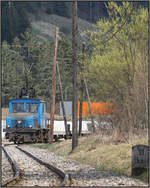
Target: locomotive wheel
(7, 135)
(35, 140)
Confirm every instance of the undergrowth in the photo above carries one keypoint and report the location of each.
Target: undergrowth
(102, 153)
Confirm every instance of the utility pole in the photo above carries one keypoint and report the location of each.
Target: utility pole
(86, 87)
(89, 104)
(51, 133)
(62, 102)
(75, 61)
(82, 89)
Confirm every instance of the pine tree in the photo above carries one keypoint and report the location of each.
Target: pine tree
(14, 20)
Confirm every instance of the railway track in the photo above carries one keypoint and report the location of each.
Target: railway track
(81, 174)
(32, 171)
(10, 171)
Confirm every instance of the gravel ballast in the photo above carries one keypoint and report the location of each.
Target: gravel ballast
(7, 171)
(83, 175)
(32, 173)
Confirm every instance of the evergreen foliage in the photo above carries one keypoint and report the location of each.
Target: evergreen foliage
(12, 78)
(27, 57)
(59, 8)
(14, 20)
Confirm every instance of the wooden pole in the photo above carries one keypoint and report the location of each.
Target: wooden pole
(80, 116)
(89, 104)
(75, 61)
(62, 101)
(53, 90)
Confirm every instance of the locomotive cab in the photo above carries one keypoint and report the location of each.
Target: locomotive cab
(26, 120)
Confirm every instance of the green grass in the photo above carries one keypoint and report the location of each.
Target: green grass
(91, 150)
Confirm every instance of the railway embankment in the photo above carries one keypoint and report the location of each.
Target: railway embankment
(96, 161)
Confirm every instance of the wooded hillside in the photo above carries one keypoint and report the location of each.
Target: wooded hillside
(16, 17)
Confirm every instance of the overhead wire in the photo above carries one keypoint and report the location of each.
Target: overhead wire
(29, 46)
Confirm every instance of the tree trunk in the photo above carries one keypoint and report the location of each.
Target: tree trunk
(75, 61)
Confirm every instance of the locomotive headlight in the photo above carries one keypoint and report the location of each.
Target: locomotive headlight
(8, 126)
(19, 122)
(30, 126)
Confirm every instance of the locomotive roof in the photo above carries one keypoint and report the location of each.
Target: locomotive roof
(26, 99)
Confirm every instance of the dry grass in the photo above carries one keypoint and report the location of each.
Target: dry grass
(101, 152)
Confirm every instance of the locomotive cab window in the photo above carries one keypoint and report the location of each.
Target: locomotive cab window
(17, 107)
(32, 107)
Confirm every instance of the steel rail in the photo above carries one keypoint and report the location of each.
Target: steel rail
(66, 178)
(14, 167)
(8, 144)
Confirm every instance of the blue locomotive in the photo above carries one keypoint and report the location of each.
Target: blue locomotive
(26, 121)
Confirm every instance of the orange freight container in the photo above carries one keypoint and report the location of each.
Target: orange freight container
(97, 108)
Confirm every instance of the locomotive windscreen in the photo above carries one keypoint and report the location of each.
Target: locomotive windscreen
(32, 107)
(17, 107)
(25, 107)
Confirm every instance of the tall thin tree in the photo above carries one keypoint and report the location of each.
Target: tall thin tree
(81, 89)
(87, 92)
(53, 90)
